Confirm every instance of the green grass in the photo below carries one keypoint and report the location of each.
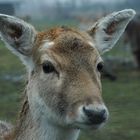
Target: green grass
(9, 63)
(9, 92)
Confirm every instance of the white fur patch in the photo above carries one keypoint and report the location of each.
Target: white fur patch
(91, 44)
(47, 44)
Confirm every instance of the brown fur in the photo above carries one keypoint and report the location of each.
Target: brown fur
(74, 56)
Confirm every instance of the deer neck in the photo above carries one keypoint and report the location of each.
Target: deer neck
(34, 125)
(49, 131)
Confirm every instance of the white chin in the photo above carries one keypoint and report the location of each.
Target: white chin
(88, 126)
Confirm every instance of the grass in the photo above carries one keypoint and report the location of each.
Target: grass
(9, 91)
(8, 62)
(121, 96)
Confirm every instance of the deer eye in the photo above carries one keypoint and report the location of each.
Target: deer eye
(48, 67)
(100, 66)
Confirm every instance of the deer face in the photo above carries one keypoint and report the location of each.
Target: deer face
(68, 75)
(64, 67)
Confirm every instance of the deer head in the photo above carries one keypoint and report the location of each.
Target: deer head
(64, 67)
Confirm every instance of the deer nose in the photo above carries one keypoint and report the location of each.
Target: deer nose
(95, 117)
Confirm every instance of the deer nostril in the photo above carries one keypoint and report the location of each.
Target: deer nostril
(94, 116)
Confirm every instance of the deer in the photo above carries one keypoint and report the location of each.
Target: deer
(63, 94)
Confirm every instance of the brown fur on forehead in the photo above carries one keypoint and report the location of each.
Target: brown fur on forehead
(71, 41)
(54, 33)
(70, 44)
(69, 53)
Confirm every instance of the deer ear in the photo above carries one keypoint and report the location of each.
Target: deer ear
(108, 30)
(17, 35)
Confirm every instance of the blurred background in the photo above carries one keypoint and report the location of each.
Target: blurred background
(121, 75)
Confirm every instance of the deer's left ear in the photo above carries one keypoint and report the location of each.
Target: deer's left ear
(108, 30)
(17, 35)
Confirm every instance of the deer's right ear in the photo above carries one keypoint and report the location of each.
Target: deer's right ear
(18, 36)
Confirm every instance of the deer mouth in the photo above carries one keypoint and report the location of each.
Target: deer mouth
(88, 125)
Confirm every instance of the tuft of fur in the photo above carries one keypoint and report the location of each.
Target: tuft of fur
(5, 129)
